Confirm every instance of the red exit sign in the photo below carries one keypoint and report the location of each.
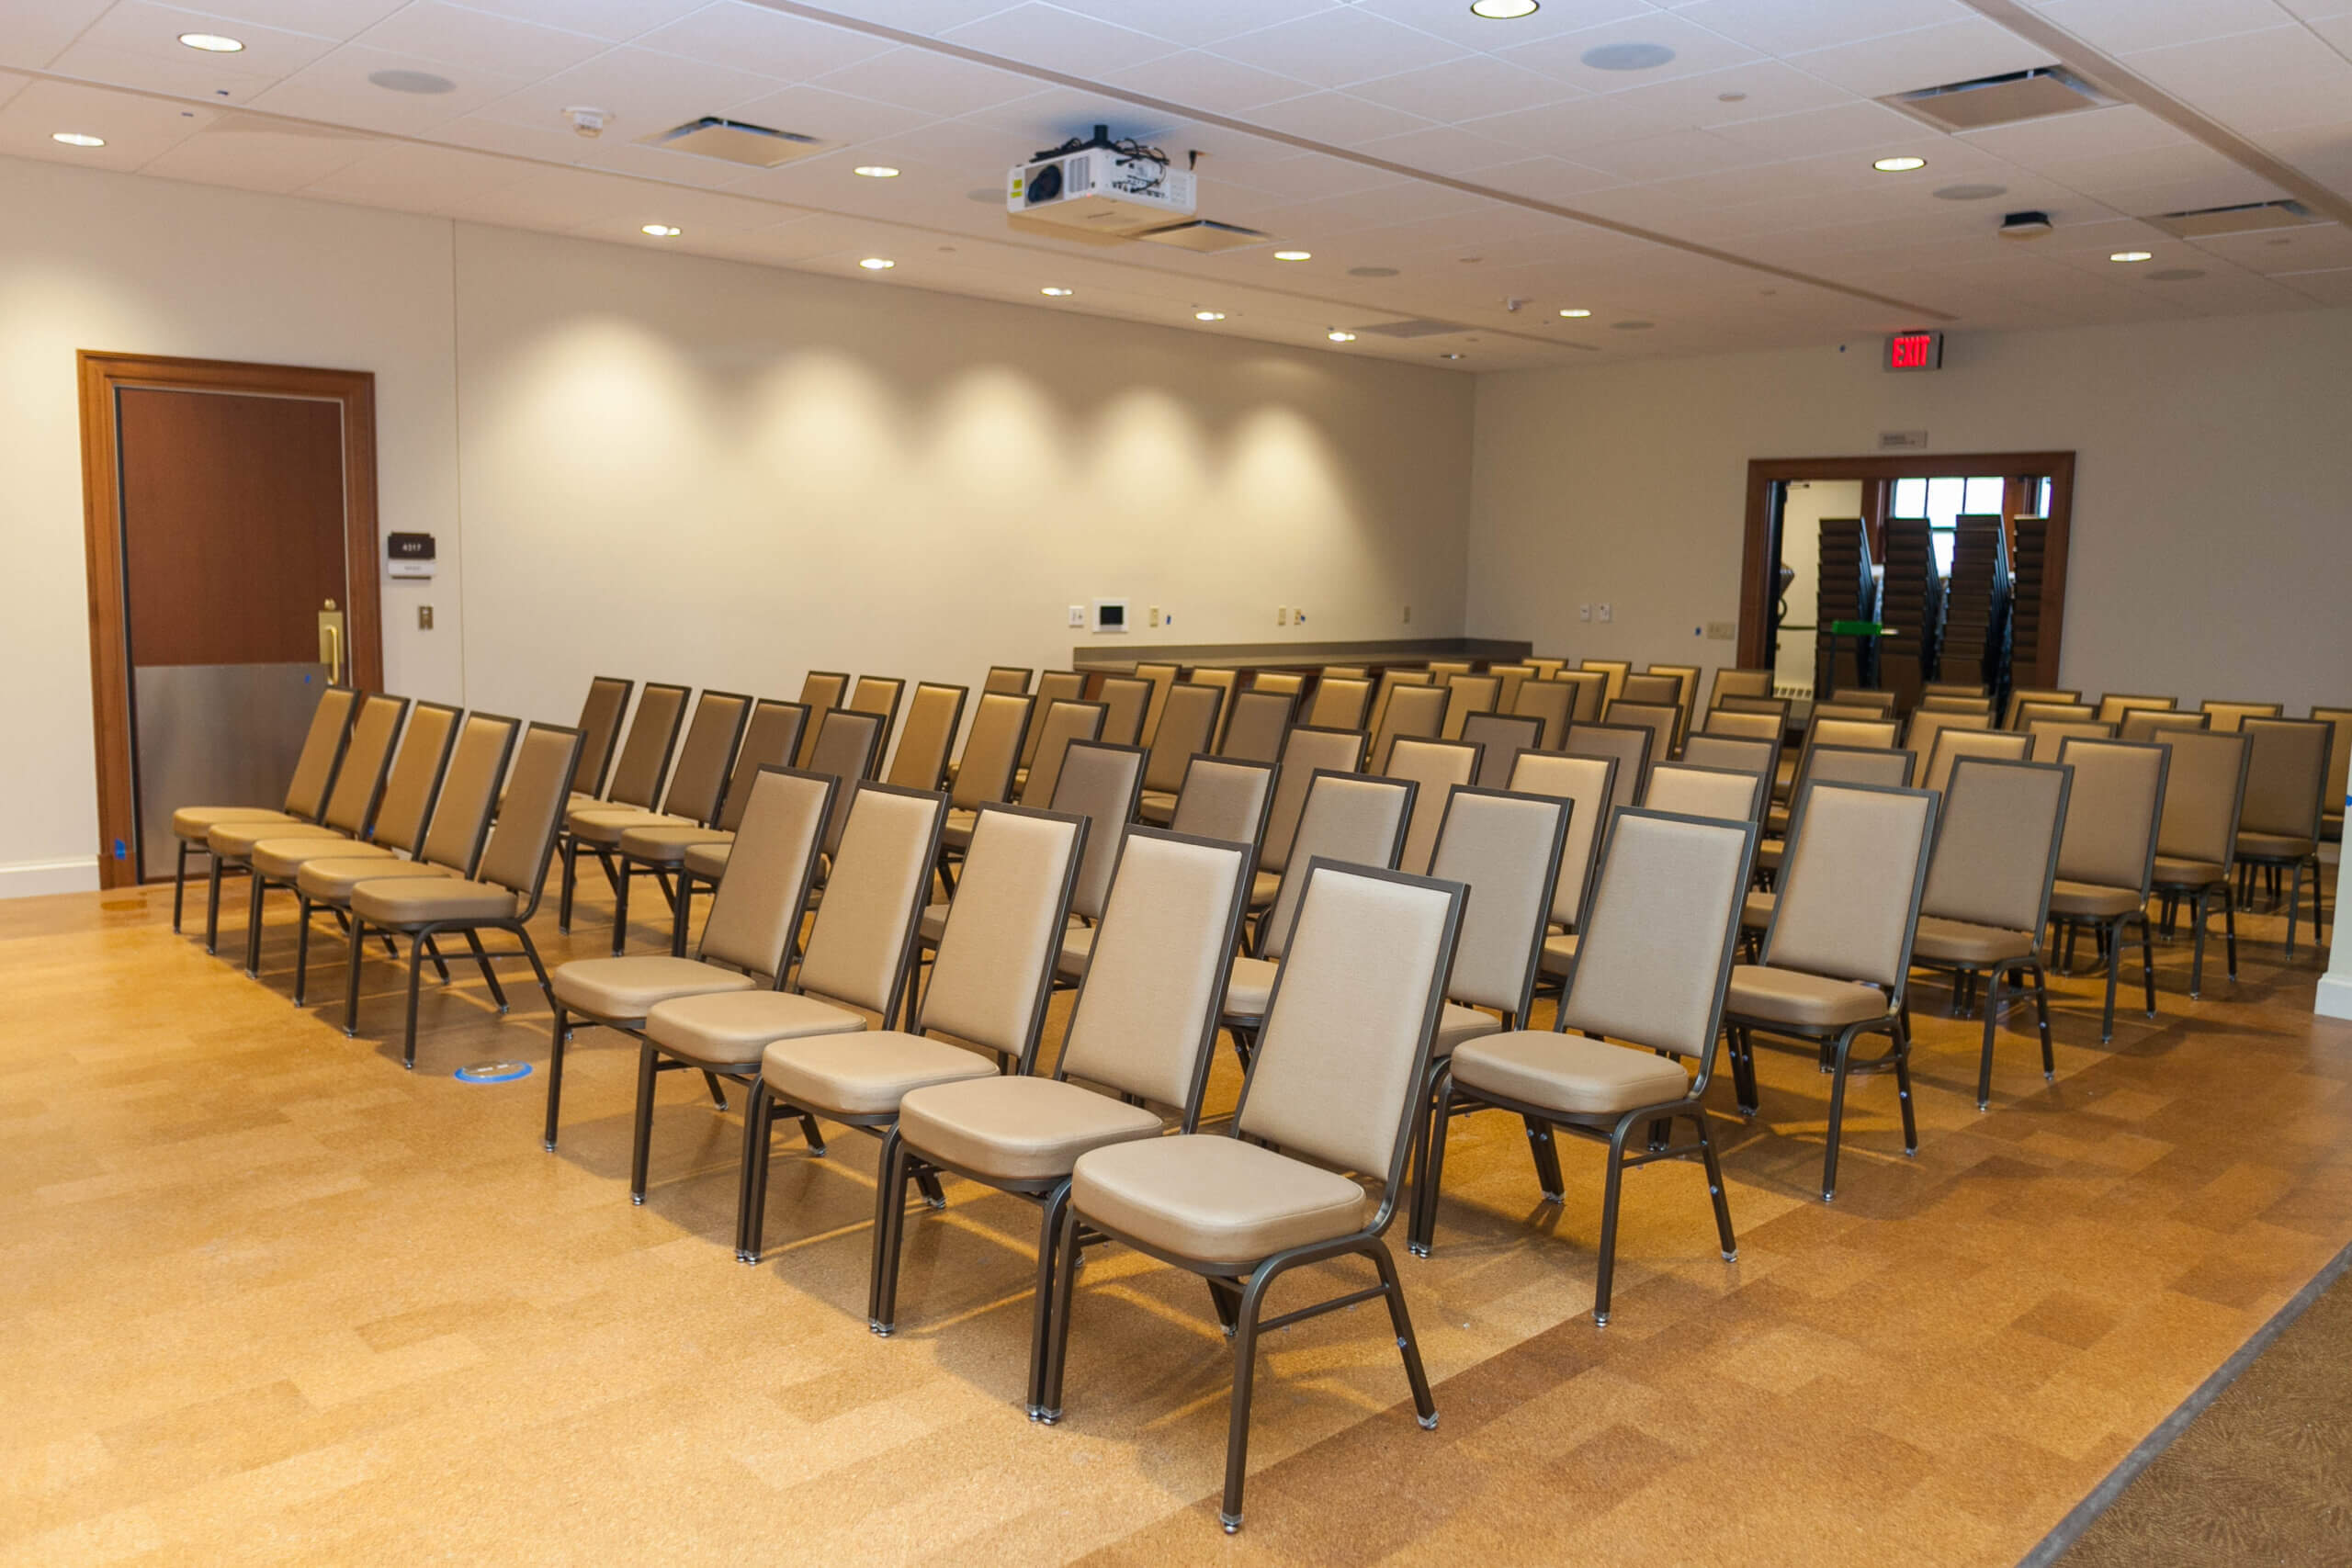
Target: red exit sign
(1914, 351)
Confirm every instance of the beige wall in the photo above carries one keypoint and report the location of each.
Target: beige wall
(672, 467)
(2212, 528)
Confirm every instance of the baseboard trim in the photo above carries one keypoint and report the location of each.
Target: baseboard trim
(2334, 997)
(37, 878)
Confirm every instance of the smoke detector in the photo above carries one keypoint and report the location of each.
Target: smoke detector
(586, 121)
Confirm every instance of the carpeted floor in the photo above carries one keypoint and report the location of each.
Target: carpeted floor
(2262, 1475)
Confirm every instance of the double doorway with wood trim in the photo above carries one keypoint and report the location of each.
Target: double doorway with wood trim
(1959, 562)
(229, 513)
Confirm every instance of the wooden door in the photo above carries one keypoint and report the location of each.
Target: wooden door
(228, 507)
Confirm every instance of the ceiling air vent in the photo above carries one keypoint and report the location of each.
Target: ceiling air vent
(2000, 100)
(1419, 326)
(712, 137)
(2246, 218)
(1205, 234)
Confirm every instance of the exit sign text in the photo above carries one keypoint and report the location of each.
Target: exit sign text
(1914, 351)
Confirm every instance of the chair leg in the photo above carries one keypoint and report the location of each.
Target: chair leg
(481, 962)
(1715, 1186)
(415, 973)
(2042, 1010)
(1245, 1367)
(2107, 1018)
(889, 1234)
(2197, 945)
(1049, 1232)
(1057, 1336)
(351, 983)
(758, 1117)
(717, 1090)
(1610, 1185)
(620, 905)
(1743, 1072)
(1547, 1160)
(301, 949)
(2147, 961)
(1422, 1229)
(2230, 926)
(2294, 906)
(1902, 1087)
(1408, 1346)
(1992, 1018)
(679, 909)
(179, 883)
(571, 881)
(1844, 1048)
(212, 906)
(555, 1075)
(641, 1132)
(252, 926)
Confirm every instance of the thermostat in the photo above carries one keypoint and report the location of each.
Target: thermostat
(1110, 615)
(408, 555)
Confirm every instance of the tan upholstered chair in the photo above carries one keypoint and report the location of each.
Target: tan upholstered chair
(984, 776)
(1969, 689)
(306, 793)
(1414, 712)
(1187, 725)
(1687, 789)
(846, 743)
(2228, 714)
(600, 725)
(1835, 709)
(1163, 679)
(2033, 712)
(2159, 724)
(1548, 703)
(1834, 731)
(1349, 819)
(1987, 895)
(1098, 786)
(771, 739)
(1228, 685)
(1349, 671)
(1736, 682)
(1254, 731)
(1333, 1091)
(1307, 751)
(396, 827)
(1952, 744)
(501, 895)
(349, 811)
(934, 715)
(1390, 679)
(1631, 746)
(1124, 700)
(1748, 726)
(880, 695)
(1136, 1054)
(1759, 755)
(1434, 767)
(1645, 996)
(1053, 686)
(2049, 735)
(1512, 676)
(1500, 738)
(1289, 683)
(1592, 694)
(1959, 705)
(1687, 696)
(1614, 670)
(636, 782)
(1589, 784)
(1012, 680)
(694, 798)
(1547, 669)
(2197, 841)
(754, 928)
(1444, 670)
(1837, 953)
(2115, 704)
(852, 972)
(1659, 718)
(990, 984)
(1466, 694)
(821, 692)
(1069, 723)
(1228, 799)
(1920, 735)
(1876, 766)
(1877, 702)
(2107, 856)
(2339, 767)
(1652, 689)
(2279, 831)
(1778, 708)
(2012, 716)
(1339, 702)
(451, 846)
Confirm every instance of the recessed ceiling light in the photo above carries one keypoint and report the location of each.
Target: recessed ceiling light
(411, 82)
(1208, 315)
(1503, 10)
(213, 43)
(1054, 291)
(1626, 56)
(2130, 256)
(661, 230)
(1336, 335)
(1899, 165)
(1294, 255)
(877, 264)
(875, 171)
(1575, 315)
(76, 139)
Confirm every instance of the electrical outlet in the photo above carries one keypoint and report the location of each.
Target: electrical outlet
(1606, 614)
(1077, 616)
(1722, 631)
(1155, 615)
(1299, 617)
(425, 617)
(1584, 612)
(1282, 614)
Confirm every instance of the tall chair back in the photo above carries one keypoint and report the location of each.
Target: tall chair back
(754, 920)
(469, 794)
(1734, 683)
(1163, 680)
(1548, 703)
(1099, 785)
(1339, 702)
(934, 715)
(1855, 765)
(1225, 798)
(1187, 724)
(367, 759)
(2285, 775)
(322, 755)
(993, 971)
(1996, 847)
(2204, 790)
(1654, 956)
(844, 748)
(1414, 712)
(645, 755)
(2159, 724)
(524, 840)
(2013, 717)
(1725, 793)
(1850, 884)
(1659, 718)
(821, 692)
(1919, 737)
(1064, 722)
(771, 739)
(1349, 819)
(1307, 751)
(1011, 679)
(2227, 715)
(865, 931)
(1124, 700)
(989, 750)
(879, 694)
(2115, 704)
(600, 723)
(1592, 694)
(711, 740)
(415, 782)
(1466, 694)
(1254, 732)
(1506, 849)
(2119, 801)
(1500, 738)
(1385, 692)
(1629, 745)
(1614, 672)
(1587, 784)
(1053, 686)
(1652, 688)
(2050, 736)
(1952, 744)
(1435, 767)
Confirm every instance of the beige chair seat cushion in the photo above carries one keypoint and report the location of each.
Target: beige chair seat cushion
(1964, 942)
(1251, 984)
(604, 824)
(1018, 1129)
(2274, 846)
(331, 881)
(2174, 872)
(666, 842)
(1215, 1198)
(1568, 1073)
(933, 924)
(1156, 806)
(1263, 886)
(1767, 995)
(708, 861)
(194, 823)
(418, 900)
(625, 988)
(281, 860)
(1078, 952)
(1559, 952)
(2089, 901)
(732, 1029)
(958, 830)
(865, 1074)
(1756, 910)
(236, 839)
(1457, 1026)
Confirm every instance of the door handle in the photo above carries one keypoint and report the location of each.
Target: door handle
(330, 644)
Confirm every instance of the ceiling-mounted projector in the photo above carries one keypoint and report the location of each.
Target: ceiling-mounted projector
(1101, 187)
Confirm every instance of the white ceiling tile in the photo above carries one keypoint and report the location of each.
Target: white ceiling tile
(1778, 27)
(2088, 133)
(1197, 22)
(253, 153)
(2122, 27)
(136, 128)
(1695, 49)
(2292, 250)
(1456, 23)
(1057, 40)
(1333, 48)
(339, 19)
(1336, 118)
(1926, 57)
(1200, 80)
(772, 43)
(1666, 155)
(1441, 148)
(1051, 116)
(555, 199)
(833, 117)
(32, 31)
(137, 28)
(938, 83)
(469, 42)
(2318, 10)
(192, 77)
(1857, 124)
(1466, 88)
(611, 20)
(418, 178)
(11, 84)
(1544, 178)
(335, 87)
(2333, 286)
(2337, 32)
(643, 91)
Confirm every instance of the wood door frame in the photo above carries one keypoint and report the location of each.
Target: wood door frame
(1755, 573)
(101, 375)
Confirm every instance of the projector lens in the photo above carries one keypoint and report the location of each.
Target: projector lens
(1046, 184)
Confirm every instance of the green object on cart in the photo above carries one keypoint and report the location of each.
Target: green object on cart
(1856, 628)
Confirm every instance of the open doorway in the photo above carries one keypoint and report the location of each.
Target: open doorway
(229, 519)
(1958, 563)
